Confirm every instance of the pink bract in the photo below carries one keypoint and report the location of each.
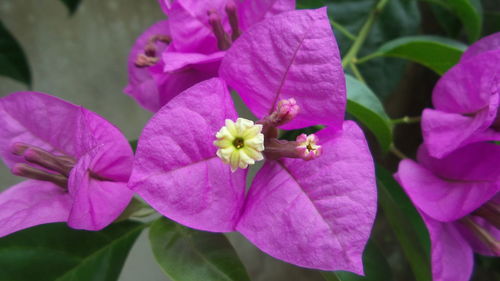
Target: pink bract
(466, 101)
(279, 59)
(96, 192)
(449, 192)
(192, 55)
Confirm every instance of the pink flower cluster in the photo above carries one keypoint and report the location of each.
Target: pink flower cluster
(455, 181)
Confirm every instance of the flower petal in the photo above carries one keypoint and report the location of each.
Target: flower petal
(291, 55)
(317, 213)
(31, 203)
(98, 186)
(451, 255)
(176, 169)
(468, 86)
(488, 43)
(251, 12)
(190, 28)
(175, 61)
(442, 199)
(474, 162)
(444, 132)
(51, 124)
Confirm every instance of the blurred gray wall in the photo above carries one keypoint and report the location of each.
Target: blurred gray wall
(83, 59)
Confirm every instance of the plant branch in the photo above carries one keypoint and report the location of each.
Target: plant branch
(406, 120)
(363, 33)
(357, 73)
(397, 152)
(342, 30)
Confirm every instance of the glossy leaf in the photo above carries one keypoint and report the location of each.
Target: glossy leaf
(436, 53)
(55, 252)
(468, 13)
(72, 5)
(13, 62)
(367, 109)
(399, 18)
(375, 265)
(406, 224)
(189, 255)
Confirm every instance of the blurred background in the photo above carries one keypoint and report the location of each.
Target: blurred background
(82, 58)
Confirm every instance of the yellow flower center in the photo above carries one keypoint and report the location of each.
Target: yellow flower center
(240, 143)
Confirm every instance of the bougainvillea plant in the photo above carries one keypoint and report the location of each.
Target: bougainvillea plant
(270, 154)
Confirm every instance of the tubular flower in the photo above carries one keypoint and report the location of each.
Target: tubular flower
(240, 144)
(173, 55)
(458, 199)
(316, 213)
(466, 101)
(77, 164)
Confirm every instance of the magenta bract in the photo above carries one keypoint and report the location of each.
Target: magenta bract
(455, 196)
(316, 213)
(466, 101)
(89, 192)
(175, 54)
(272, 63)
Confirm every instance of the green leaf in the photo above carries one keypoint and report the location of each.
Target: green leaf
(375, 265)
(406, 224)
(55, 252)
(13, 62)
(436, 53)
(72, 5)
(399, 18)
(469, 13)
(189, 255)
(367, 109)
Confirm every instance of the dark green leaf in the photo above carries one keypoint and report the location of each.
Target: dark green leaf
(491, 22)
(399, 18)
(374, 263)
(189, 255)
(406, 224)
(13, 62)
(367, 109)
(72, 5)
(436, 53)
(469, 13)
(55, 252)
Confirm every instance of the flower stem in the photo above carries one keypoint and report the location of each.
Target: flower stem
(406, 120)
(342, 30)
(368, 57)
(397, 152)
(357, 73)
(363, 33)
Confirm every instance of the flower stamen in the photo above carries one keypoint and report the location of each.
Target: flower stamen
(223, 40)
(149, 57)
(232, 14)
